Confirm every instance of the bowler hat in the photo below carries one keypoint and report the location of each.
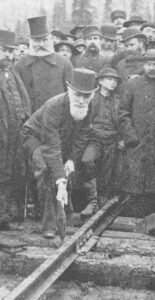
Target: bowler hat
(58, 33)
(109, 31)
(149, 55)
(130, 33)
(83, 81)
(72, 36)
(38, 27)
(67, 43)
(118, 14)
(108, 72)
(7, 38)
(91, 30)
(147, 24)
(76, 28)
(133, 19)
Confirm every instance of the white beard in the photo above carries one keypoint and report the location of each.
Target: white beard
(77, 113)
(39, 53)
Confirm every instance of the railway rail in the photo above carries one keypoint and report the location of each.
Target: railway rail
(35, 285)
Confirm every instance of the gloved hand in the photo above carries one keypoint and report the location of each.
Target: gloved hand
(69, 167)
(121, 145)
(62, 194)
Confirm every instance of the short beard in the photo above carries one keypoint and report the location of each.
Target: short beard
(77, 113)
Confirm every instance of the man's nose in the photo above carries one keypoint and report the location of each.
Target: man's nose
(81, 100)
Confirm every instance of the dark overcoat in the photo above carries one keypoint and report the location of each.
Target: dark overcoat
(44, 77)
(15, 108)
(129, 66)
(63, 138)
(137, 120)
(89, 61)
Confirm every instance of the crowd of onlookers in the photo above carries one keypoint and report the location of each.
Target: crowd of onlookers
(77, 108)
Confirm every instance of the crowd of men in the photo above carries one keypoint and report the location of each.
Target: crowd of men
(78, 106)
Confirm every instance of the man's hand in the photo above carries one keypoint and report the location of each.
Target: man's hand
(62, 194)
(38, 163)
(69, 167)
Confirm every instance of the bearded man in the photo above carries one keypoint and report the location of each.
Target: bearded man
(15, 108)
(55, 136)
(134, 41)
(91, 58)
(43, 71)
(138, 127)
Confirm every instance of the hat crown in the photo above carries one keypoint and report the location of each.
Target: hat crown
(7, 38)
(83, 80)
(131, 32)
(38, 27)
(118, 14)
(109, 30)
(108, 72)
(136, 19)
(91, 30)
(150, 53)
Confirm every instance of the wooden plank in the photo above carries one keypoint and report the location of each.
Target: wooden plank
(127, 235)
(35, 285)
(117, 246)
(87, 291)
(3, 292)
(127, 271)
(126, 224)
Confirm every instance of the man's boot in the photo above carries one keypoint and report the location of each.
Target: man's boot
(90, 209)
(92, 199)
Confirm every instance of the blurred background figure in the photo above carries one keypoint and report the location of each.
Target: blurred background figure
(57, 36)
(118, 17)
(21, 49)
(66, 49)
(80, 45)
(78, 31)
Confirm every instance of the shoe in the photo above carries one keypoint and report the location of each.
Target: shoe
(90, 209)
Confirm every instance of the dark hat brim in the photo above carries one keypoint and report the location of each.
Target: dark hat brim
(127, 23)
(139, 35)
(8, 46)
(73, 48)
(109, 37)
(40, 35)
(83, 91)
(110, 74)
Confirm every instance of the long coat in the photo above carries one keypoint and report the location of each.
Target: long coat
(44, 77)
(63, 138)
(89, 61)
(128, 66)
(137, 120)
(15, 108)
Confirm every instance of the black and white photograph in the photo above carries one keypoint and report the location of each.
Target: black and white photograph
(77, 150)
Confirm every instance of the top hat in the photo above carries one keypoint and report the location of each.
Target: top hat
(109, 31)
(147, 24)
(108, 72)
(58, 33)
(132, 32)
(76, 28)
(67, 43)
(133, 19)
(118, 14)
(7, 38)
(83, 81)
(91, 30)
(38, 27)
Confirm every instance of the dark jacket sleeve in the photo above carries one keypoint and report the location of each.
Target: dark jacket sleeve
(51, 139)
(127, 129)
(67, 73)
(31, 132)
